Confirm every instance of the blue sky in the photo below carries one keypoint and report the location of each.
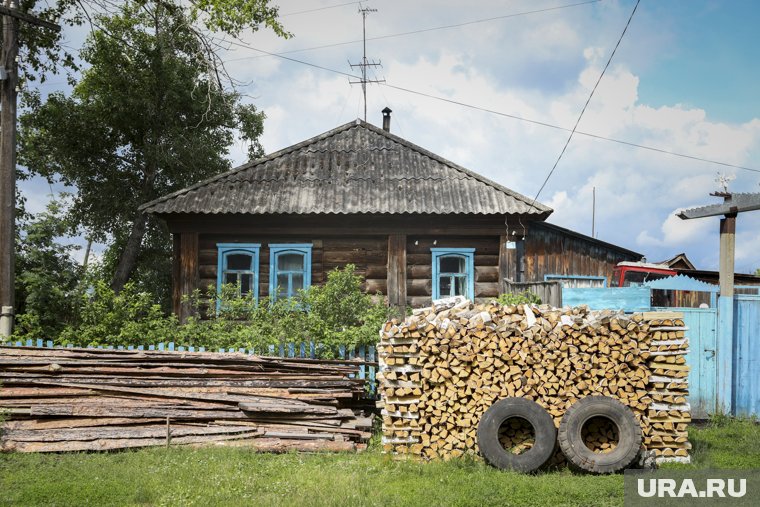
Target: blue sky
(684, 80)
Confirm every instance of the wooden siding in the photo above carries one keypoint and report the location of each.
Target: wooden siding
(369, 254)
(550, 251)
(365, 242)
(419, 270)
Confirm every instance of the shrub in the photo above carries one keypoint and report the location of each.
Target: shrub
(334, 314)
(519, 299)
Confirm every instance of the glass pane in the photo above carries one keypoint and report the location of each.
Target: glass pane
(444, 289)
(290, 262)
(282, 283)
(230, 278)
(459, 286)
(452, 264)
(239, 262)
(297, 282)
(246, 282)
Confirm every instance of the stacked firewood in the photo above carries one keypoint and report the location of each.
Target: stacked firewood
(443, 367)
(89, 399)
(669, 413)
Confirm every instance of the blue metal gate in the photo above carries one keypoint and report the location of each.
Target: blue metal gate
(746, 370)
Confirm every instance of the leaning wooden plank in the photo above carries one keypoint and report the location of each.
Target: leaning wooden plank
(105, 444)
(278, 445)
(272, 408)
(131, 432)
(231, 399)
(82, 422)
(32, 392)
(131, 412)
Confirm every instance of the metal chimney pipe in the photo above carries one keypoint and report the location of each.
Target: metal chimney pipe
(387, 119)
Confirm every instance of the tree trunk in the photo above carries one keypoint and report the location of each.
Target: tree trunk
(128, 257)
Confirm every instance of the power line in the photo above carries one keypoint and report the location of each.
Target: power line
(318, 9)
(557, 127)
(570, 137)
(422, 30)
(507, 115)
(295, 60)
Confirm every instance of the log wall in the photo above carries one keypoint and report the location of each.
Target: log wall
(369, 254)
(552, 250)
(366, 241)
(419, 269)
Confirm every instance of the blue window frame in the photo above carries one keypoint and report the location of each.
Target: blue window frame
(453, 272)
(289, 269)
(238, 263)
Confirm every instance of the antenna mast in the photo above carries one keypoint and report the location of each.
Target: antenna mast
(364, 11)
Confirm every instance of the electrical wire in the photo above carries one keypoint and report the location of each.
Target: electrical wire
(422, 30)
(575, 127)
(317, 9)
(578, 132)
(507, 115)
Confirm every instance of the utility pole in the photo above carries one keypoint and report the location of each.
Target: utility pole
(365, 63)
(593, 212)
(732, 205)
(11, 17)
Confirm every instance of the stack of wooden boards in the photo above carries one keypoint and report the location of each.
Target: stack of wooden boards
(90, 399)
(443, 367)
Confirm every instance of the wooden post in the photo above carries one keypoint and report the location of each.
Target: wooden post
(397, 272)
(725, 338)
(8, 173)
(11, 16)
(188, 271)
(727, 252)
(176, 274)
(520, 260)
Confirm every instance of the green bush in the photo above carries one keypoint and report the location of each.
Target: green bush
(334, 314)
(518, 299)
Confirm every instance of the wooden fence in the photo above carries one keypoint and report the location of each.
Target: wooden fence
(363, 355)
(549, 291)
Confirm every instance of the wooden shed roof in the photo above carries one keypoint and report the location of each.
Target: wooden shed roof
(354, 168)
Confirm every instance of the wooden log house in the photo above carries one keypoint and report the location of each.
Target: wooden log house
(416, 225)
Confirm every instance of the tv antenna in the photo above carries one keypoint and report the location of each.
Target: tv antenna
(364, 11)
(723, 180)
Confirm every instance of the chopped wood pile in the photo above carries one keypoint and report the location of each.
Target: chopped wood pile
(89, 399)
(443, 367)
(669, 413)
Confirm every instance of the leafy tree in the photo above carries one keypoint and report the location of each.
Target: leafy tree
(149, 115)
(47, 277)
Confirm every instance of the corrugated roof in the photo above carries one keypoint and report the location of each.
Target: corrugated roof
(733, 203)
(355, 168)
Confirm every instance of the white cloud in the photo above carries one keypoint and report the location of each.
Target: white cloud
(542, 67)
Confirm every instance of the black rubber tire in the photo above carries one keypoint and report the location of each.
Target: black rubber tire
(543, 426)
(575, 450)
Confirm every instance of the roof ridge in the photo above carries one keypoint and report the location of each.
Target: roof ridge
(249, 164)
(535, 204)
(539, 207)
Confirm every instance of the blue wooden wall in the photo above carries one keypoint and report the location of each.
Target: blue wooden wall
(630, 299)
(746, 360)
(702, 358)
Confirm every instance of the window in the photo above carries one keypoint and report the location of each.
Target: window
(238, 264)
(289, 269)
(453, 272)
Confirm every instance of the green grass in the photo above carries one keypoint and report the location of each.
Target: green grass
(230, 476)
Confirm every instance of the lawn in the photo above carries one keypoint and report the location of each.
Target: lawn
(233, 476)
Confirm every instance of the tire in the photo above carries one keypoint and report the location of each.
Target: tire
(575, 450)
(543, 426)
